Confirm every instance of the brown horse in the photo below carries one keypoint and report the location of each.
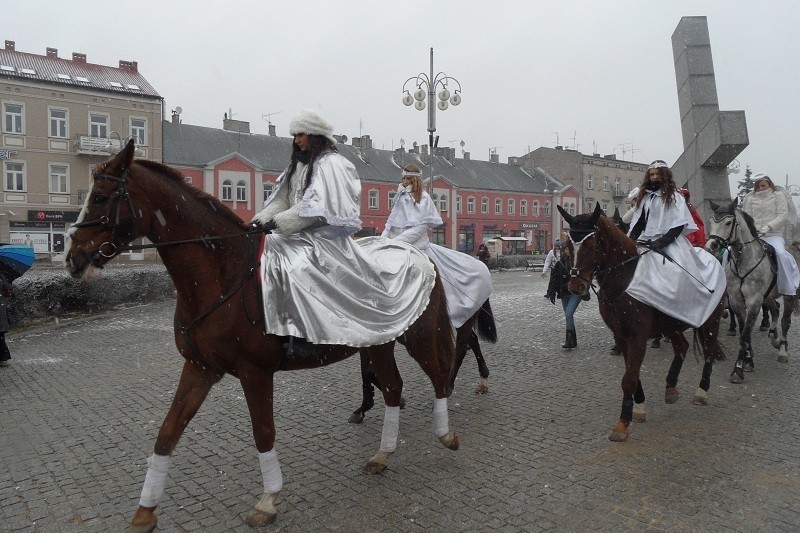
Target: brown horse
(605, 253)
(210, 255)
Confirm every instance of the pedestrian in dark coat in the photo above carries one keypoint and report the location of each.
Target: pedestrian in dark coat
(559, 279)
(6, 292)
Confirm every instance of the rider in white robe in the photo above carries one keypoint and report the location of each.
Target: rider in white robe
(676, 278)
(317, 282)
(774, 216)
(467, 282)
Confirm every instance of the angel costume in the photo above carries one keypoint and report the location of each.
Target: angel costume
(467, 282)
(774, 215)
(317, 282)
(682, 281)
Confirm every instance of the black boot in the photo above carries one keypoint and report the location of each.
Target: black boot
(570, 341)
(574, 338)
(567, 341)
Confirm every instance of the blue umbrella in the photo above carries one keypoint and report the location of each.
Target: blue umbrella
(15, 260)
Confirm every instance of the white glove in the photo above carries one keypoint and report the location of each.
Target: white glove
(766, 229)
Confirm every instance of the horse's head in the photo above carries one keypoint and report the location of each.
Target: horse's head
(108, 219)
(582, 229)
(725, 227)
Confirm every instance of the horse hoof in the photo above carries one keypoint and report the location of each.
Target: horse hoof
(639, 414)
(736, 378)
(776, 342)
(402, 402)
(783, 358)
(619, 433)
(264, 512)
(725, 314)
(356, 418)
(731, 333)
(259, 518)
(762, 327)
(748, 367)
(378, 463)
(450, 440)
(671, 395)
(481, 388)
(700, 397)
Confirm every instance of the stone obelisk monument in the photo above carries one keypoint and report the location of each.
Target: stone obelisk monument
(711, 138)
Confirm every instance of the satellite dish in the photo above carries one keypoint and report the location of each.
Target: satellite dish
(178, 110)
(402, 142)
(462, 143)
(344, 139)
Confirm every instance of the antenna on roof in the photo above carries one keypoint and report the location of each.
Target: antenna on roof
(266, 116)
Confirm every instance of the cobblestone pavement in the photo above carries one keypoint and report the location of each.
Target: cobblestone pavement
(82, 403)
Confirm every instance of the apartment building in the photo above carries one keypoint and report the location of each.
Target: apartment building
(60, 117)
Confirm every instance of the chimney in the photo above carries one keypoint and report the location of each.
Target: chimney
(239, 126)
(559, 147)
(78, 57)
(10, 46)
(398, 156)
(52, 52)
(366, 148)
(271, 132)
(466, 156)
(423, 154)
(133, 66)
(176, 118)
(514, 160)
(494, 158)
(610, 156)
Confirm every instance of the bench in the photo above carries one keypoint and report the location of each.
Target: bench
(534, 264)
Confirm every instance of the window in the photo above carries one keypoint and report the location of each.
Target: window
(589, 182)
(605, 206)
(471, 204)
(443, 203)
(13, 118)
(484, 205)
(570, 208)
(138, 129)
(588, 205)
(630, 185)
(458, 204)
(59, 179)
(523, 208)
(536, 208)
(605, 183)
(373, 199)
(498, 206)
(512, 204)
(547, 208)
(268, 186)
(616, 185)
(15, 176)
(437, 236)
(98, 125)
(241, 191)
(58, 123)
(227, 190)
(392, 198)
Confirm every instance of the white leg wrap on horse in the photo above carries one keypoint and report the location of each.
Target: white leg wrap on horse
(154, 481)
(441, 423)
(391, 428)
(271, 471)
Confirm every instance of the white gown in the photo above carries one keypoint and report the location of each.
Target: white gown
(317, 282)
(691, 285)
(467, 281)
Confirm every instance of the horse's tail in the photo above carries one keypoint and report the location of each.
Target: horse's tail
(487, 329)
(721, 353)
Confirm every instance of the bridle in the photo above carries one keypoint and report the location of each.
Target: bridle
(596, 271)
(733, 239)
(110, 248)
(733, 235)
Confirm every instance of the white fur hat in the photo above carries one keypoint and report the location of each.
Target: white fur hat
(759, 176)
(310, 122)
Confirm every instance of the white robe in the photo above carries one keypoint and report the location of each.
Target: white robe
(317, 282)
(467, 282)
(691, 285)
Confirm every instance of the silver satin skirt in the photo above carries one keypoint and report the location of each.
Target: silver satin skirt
(467, 282)
(326, 287)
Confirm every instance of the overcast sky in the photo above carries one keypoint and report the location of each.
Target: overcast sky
(594, 75)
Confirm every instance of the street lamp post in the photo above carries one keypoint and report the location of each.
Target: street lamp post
(426, 86)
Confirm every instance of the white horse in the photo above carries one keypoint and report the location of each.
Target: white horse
(752, 275)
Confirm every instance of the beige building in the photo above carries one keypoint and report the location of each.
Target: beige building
(60, 117)
(603, 179)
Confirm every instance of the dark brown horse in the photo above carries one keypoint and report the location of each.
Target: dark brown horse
(219, 328)
(605, 253)
(466, 339)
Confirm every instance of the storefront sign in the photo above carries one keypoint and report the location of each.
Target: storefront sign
(529, 225)
(7, 154)
(31, 225)
(490, 226)
(467, 226)
(53, 216)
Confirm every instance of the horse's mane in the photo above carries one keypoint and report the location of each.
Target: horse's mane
(729, 210)
(608, 227)
(179, 181)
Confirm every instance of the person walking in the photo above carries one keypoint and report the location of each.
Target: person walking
(483, 254)
(557, 288)
(6, 292)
